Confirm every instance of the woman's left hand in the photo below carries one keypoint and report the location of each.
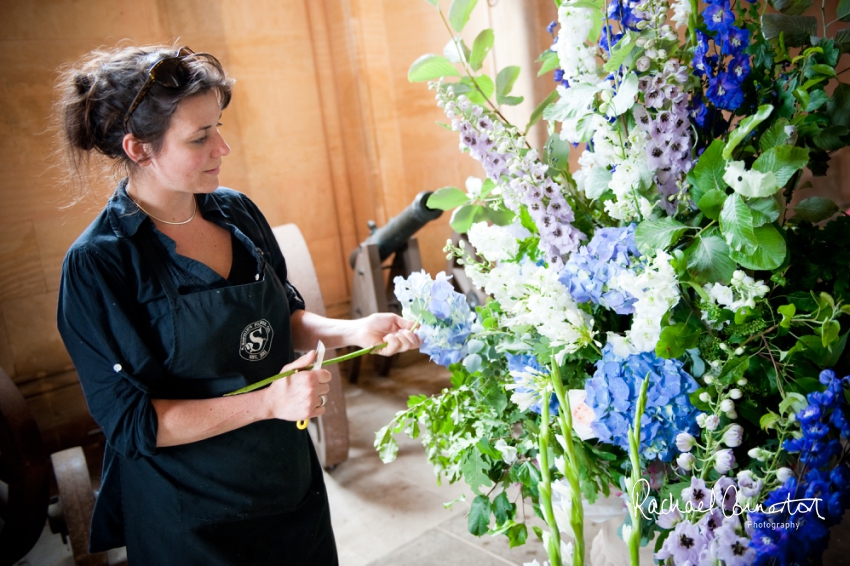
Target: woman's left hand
(390, 328)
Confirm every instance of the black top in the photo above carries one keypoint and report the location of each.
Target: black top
(107, 283)
(244, 266)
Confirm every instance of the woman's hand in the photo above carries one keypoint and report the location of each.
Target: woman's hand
(387, 327)
(298, 397)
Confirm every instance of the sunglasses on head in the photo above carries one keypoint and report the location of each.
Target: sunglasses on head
(169, 72)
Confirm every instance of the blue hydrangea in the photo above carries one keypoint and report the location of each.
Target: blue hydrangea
(444, 315)
(612, 393)
(587, 272)
(826, 477)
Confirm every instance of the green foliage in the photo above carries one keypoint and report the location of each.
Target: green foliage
(709, 258)
(479, 515)
(538, 112)
(745, 128)
(447, 198)
(791, 7)
(708, 173)
(815, 209)
(556, 153)
(658, 234)
(480, 48)
(459, 13)
(504, 83)
(783, 161)
(769, 253)
(430, 67)
(796, 30)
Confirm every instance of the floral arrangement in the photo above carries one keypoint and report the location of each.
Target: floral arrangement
(665, 324)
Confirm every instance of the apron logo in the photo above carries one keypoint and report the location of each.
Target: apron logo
(256, 341)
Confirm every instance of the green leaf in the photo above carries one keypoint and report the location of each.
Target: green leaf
(711, 203)
(736, 224)
(829, 332)
(474, 471)
(769, 253)
(842, 38)
(745, 127)
(838, 108)
(479, 516)
(430, 67)
(503, 509)
(830, 138)
(517, 535)
(708, 173)
(783, 161)
(817, 99)
(501, 217)
(505, 82)
(576, 104)
(447, 198)
(658, 234)
(597, 182)
(675, 340)
(815, 209)
(556, 153)
(480, 48)
(708, 259)
(769, 420)
(464, 217)
(797, 30)
(822, 69)
(386, 444)
(550, 62)
(621, 50)
(793, 402)
(775, 135)
(625, 97)
(843, 12)
(477, 95)
(538, 112)
(791, 7)
(733, 370)
(512, 100)
(765, 210)
(459, 13)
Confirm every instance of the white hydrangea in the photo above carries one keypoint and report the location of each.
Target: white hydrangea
(631, 207)
(493, 243)
(657, 291)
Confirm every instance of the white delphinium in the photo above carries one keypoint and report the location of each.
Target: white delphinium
(577, 59)
(493, 243)
(552, 312)
(656, 290)
(681, 12)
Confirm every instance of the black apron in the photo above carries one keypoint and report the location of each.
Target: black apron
(252, 496)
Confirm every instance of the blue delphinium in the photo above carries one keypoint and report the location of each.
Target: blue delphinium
(587, 272)
(612, 393)
(824, 486)
(531, 381)
(444, 315)
(725, 78)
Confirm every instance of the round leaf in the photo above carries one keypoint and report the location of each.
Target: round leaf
(769, 253)
(447, 198)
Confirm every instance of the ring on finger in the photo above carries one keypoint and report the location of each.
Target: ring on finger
(324, 400)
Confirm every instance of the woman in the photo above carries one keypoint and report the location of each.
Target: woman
(175, 295)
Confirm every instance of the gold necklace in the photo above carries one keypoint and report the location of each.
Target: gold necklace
(195, 211)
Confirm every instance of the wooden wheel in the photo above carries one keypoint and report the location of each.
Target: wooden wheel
(24, 475)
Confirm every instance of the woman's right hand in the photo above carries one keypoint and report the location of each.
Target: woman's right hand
(297, 397)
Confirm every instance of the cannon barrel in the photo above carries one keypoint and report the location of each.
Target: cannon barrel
(394, 235)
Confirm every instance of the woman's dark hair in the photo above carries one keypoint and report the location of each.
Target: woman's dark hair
(94, 94)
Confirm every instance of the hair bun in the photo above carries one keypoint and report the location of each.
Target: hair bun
(83, 82)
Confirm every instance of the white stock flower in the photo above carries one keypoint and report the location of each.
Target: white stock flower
(493, 243)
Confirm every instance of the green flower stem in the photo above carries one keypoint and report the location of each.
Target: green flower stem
(554, 547)
(263, 383)
(571, 468)
(634, 456)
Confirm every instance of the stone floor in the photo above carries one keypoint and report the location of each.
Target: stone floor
(393, 514)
